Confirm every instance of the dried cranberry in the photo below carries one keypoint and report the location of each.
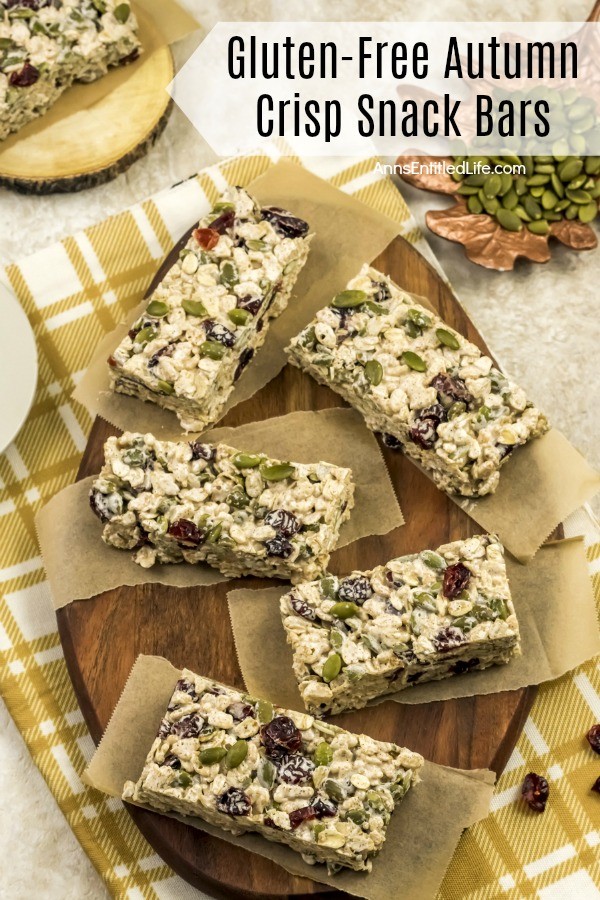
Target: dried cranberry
(279, 546)
(392, 442)
(234, 802)
(456, 579)
(280, 737)
(302, 608)
(188, 726)
(295, 769)
(424, 432)
(394, 579)
(240, 710)
(593, 737)
(202, 451)
(435, 411)
(283, 522)
(185, 532)
(206, 238)
(217, 332)
(448, 639)
(186, 687)
(133, 332)
(355, 590)
(172, 761)
(535, 791)
(382, 293)
(461, 666)
(505, 449)
(451, 388)
(164, 729)
(25, 77)
(284, 222)
(268, 821)
(112, 362)
(95, 507)
(304, 814)
(245, 358)
(249, 303)
(323, 808)
(167, 351)
(224, 221)
(130, 57)
(596, 786)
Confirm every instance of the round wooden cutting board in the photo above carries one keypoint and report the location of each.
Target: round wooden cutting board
(94, 132)
(103, 636)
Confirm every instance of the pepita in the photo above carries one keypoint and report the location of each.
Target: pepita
(332, 667)
(349, 299)
(278, 472)
(374, 372)
(447, 338)
(194, 307)
(157, 309)
(413, 361)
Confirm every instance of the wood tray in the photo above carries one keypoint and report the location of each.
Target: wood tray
(96, 131)
(102, 637)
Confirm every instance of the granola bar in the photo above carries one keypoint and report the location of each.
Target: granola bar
(212, 310)
(419, 382)
(46, 46)
(244, 765)
(418, 618)
(243, 513)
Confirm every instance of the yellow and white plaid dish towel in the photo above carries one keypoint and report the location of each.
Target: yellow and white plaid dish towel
(73, 293)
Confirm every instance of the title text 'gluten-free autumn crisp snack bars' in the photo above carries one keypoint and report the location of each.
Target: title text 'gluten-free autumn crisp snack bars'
(211, 311)
(243, 513)
(418, 618)
(46, 46)
(419, 382)
(244, 765)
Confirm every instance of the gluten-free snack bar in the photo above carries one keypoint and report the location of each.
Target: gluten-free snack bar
(243, 765)
(422, 384)
(243, 513)
(212, 310)
(46, 46)
(418, 618)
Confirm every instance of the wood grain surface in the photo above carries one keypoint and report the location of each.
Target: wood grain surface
(102, 637)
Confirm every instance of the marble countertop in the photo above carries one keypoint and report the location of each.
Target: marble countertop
(542, 321)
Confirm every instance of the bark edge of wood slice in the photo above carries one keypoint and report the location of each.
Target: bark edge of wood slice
(96, 131)
(102, 636)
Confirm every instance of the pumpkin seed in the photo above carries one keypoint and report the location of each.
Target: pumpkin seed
(238, 316)
(184, 780)
(457, 409)
(212, 349)
(447, 339)
(491, 206)
(344, 609)
(122, 12)
(165, 387)
(474, 205)
(413, 361)
(419, 318)
(358, 816)
(433, 560)
(507, 182)
(539, 227)
(477, 179)
(277, 472)
(562, 204)
(532, 208)
(492, 186)
(557, 185)
(264, 711)
(145, 335)
(592, 165)
(537, 191)
(549, 199)
(157, 309)
(236, 754)
(520, 212)
(374, 372)
(212, 755)
(266, 773)
(323, 754)
(376, 308)
(569, 169)
(510, 199)
(544, 168)
(349, 299)
(467, 190)
(577, 182)
(588, 212)
(246, 461)
(229, 275)
(194, 308)
(509, 220)
(333, 790)
(256, 245)
(578, 196)
(328, 587)
(521, 185)
(572, 211)
(332, 667)
(336, 638)
(215, 533)
(537, 180)
(375, 800)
